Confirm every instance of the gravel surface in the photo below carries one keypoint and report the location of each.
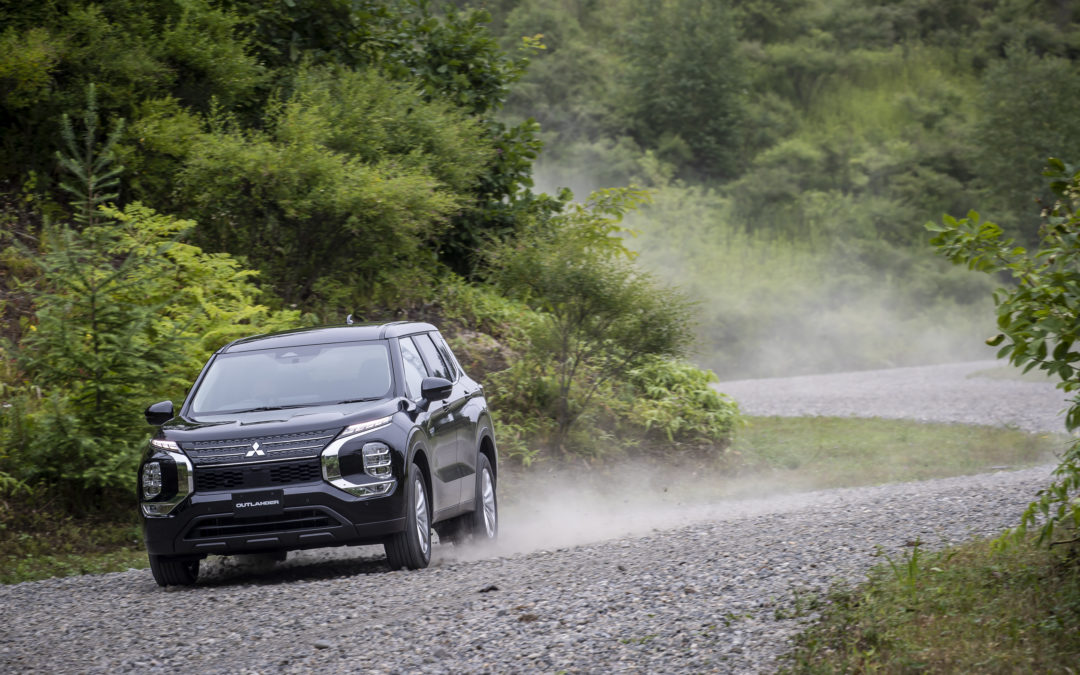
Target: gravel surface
(945, 393)
(707, 588)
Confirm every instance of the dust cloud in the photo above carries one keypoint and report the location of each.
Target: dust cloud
(550, 510)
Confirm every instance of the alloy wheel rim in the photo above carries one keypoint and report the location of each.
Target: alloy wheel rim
(488, 494)
(422, 527)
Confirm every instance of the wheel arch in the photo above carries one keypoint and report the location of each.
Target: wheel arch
(418, 456)
(487, 445)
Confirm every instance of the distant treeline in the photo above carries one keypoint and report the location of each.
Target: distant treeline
(797, 148)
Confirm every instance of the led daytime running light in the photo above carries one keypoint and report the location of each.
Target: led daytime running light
(162, 444)
(362, 427)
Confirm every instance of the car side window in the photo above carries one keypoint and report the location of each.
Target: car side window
(436, 365)
(414, 366)
(448, 356)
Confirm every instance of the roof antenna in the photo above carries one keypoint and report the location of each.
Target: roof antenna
(349, 320)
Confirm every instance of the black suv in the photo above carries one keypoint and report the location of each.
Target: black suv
(320, 437)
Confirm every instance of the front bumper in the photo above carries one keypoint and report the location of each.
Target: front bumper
(314, 515)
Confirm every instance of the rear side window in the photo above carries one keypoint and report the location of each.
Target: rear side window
(448, 356)
(435, 362)
(414, 366)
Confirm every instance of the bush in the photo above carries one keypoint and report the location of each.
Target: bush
(1039, 319)
(123, 314)
(676, 402)
(346, 192)
(601, 314)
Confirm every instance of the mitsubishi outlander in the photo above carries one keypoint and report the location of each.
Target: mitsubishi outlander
(320, 437)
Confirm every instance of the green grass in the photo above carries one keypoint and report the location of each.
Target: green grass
(39, 542)
(969, 609)
(824, 452)
(1014, 373)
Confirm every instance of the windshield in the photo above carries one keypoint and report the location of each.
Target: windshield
(293, 377)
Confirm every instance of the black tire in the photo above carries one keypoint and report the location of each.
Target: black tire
(171, 571)
(411, 548)
(483, 523)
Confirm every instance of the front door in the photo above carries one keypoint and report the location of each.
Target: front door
(441, 429)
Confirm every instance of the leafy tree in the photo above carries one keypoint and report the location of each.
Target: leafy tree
(351, 184)
(1039, 318)
(1019, 126)
(686, 83)
(122, 313)
(602, 315)
(134, 50)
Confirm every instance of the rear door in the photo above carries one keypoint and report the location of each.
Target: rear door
(440, 428)
(469, 405)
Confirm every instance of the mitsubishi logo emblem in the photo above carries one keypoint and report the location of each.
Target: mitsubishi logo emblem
(255, 451)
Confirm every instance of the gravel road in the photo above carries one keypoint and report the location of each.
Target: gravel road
(663, 588)
(945, 393)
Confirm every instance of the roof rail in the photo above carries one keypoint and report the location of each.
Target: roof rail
(382, 330)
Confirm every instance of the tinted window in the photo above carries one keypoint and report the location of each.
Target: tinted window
(448, 356)
(436, 365)
(414, 366)
(294, 376)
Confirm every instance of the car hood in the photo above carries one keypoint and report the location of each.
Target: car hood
(273, 422)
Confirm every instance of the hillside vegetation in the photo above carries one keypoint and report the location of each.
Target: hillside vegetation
(175, 175)
(796, 147)
(750, 182)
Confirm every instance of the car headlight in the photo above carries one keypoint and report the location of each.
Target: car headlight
(376, 460)
(166, 480)
(151, 480)
(352, 470)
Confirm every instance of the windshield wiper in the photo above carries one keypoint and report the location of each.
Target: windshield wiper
(359, 400)
(272, 407)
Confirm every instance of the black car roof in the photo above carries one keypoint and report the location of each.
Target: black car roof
(326, 335)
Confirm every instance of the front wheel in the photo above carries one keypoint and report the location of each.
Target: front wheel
(172, 571)
(412, 547)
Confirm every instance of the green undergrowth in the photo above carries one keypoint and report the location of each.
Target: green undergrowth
(969, 609)
(827, 452)
(42, 541)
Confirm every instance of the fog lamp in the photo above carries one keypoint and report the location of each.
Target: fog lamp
(156, 509)
(371, 489)
(151, 480)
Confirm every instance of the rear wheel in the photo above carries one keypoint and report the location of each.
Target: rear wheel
(412, 547)
(483, 523)
(172, 571)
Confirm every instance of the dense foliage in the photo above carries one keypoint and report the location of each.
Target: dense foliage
(1039, 318)
(179, 174)
(244, 165)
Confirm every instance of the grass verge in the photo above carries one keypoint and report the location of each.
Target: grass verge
(1014, 373)
(826, 452)
(40, 541)
(969, 609)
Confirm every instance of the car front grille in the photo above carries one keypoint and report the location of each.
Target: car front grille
(290, 521)
(257, 449)
(216, 478)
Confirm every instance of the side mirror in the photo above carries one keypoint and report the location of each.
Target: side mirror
(435, 388)
(159, 413)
